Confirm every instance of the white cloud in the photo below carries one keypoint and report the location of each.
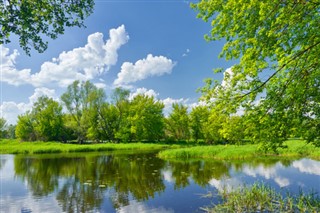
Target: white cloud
(10, 110)
(8, 70)
(100, 85)
(83, 63)
(150, 66)
(42, 91)
(143, 91)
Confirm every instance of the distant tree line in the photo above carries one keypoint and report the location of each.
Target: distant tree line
(89, 117)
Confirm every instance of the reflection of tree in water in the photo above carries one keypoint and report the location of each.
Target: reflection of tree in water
(2, 162)
(135, 175)
(81, 181)
(88, 178)
(75, 196)
(200, 171)
(41, 174)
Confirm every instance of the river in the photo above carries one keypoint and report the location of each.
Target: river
(140, 182)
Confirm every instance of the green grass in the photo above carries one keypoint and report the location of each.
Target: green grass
(261, 198)
(17, 147)
(296, 148)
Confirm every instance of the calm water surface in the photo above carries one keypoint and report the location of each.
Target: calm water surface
(137, 182)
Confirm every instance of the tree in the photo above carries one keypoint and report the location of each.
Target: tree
(48, 119)
(177, 124)
(3, 126)
(212, 129)
(25, 127)
(44, 122)
(198, 121)
(120, 98)
(146, 118)
(10, 133)
(29, 19)
(278, 45)
(232, 129)
(79, 99)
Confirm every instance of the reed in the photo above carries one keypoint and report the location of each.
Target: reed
(261, 198)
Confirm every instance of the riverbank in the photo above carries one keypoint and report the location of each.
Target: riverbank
(17, 147)
(296, 149)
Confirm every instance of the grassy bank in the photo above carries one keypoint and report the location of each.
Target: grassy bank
(296, 148)
(261, 198)
(17, 147)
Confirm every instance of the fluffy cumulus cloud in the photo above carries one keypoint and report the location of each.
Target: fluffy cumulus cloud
(10, 110)
(144, 68)
(8, 70)
(143, 91)
(83, 63)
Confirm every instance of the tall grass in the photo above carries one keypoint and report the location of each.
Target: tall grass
(296, 148)
(261, 198)
(17, 147)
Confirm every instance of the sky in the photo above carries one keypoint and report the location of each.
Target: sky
(153, 47)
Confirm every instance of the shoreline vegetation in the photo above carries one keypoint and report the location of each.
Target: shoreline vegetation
(181, 151)
(295, 149)
(9, 146)
(262, 198)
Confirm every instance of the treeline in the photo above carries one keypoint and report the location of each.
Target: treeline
(85, 115)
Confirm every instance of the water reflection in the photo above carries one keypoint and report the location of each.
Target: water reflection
(87, 178)
(118, 182)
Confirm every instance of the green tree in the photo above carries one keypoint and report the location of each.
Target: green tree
(146, 118)
(79, 99)
(25, 127)
(93, 114)
(198, 121)
(177, 124)
(3, 127)
(212, 129)
(232, 129)
(30, 19)
(44, 122)
(277, 44)
(10, 133)
(120, 99)
(48, 119)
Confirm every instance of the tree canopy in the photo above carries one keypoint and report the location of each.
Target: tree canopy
(277, 45)
(30, 20)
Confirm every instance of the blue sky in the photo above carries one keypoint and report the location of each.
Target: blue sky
(154, 47)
